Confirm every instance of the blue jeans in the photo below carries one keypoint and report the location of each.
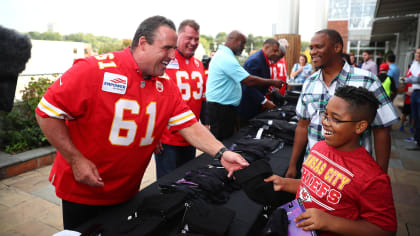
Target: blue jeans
(172, 157)
(415, 113)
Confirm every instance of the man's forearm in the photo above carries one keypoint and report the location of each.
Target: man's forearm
(58, 135)
(84, 171)
(253, 80)
(200, 137)
(382, 142)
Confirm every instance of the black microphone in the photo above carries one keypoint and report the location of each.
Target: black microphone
(15, 50)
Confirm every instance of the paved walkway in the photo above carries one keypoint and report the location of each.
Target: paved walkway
(28, 205)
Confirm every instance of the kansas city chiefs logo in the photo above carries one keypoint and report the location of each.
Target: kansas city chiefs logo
(305, 195)
(159, 86)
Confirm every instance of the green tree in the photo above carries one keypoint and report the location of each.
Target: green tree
(221, 38)
(210, 41)
(258, 42)
(126, 42)
(304, 45)
(206, 45)
(249, 43)
(23, 132)
(48, 35)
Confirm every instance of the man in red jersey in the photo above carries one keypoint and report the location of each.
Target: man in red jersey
(278, 70)
(105, 116)
(188, 72)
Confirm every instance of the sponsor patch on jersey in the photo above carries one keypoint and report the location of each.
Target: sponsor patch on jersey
(142, 84)
(173, 64)
(159, 86)
(305, 195)
(114, 83)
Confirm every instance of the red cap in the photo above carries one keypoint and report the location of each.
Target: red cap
(383, 66)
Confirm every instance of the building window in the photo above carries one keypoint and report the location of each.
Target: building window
(361, 14)
(338, 10)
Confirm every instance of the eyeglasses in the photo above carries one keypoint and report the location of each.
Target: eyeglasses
(331, 120)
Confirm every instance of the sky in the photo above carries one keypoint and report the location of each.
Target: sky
(120, 19)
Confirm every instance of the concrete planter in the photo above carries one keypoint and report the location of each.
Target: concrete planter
(12, 165)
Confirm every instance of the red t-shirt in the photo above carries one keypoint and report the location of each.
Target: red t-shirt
(189, 75)
(407, 99)
(115, 118)
(278, 70)
(347, 184)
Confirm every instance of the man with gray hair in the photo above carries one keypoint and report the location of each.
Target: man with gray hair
(278, 69)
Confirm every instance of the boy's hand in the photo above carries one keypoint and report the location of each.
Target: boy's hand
(313, 219)
(279, 183)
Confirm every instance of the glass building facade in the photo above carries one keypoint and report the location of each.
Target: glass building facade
(359, 14)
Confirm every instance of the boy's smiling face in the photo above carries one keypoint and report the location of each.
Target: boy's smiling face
(343, 136)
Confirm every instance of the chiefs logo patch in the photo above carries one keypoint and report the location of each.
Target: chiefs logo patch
(159, 86)
(305, 195)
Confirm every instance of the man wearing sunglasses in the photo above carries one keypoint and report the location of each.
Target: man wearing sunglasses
(326, 52)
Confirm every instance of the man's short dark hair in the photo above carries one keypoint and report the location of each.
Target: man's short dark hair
(148, 28)
(363, 103)
(191, 23)
(271, 42)
(391, 57)
(369, 52)
(333, 35)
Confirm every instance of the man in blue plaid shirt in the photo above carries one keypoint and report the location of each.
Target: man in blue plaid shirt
(333, 72)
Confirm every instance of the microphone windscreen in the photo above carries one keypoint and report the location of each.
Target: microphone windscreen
(15, 49)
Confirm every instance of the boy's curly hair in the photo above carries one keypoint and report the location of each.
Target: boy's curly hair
(363, 103)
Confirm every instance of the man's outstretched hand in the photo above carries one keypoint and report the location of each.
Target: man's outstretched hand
(232, 162)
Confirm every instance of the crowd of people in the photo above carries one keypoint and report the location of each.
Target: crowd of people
(156, 97)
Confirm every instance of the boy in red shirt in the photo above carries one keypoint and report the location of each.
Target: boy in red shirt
(344, 190)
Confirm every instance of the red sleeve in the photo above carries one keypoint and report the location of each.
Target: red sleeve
(68, 97)
(377, 204)
(182, 116)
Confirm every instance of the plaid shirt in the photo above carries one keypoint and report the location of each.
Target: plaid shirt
(315, 95)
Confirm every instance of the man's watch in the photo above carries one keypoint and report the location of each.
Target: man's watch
(220, 153)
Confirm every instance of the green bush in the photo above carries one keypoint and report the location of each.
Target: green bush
(20, 131)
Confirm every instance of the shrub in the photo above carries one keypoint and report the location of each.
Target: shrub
(20, 131)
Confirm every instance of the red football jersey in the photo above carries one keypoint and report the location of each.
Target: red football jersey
(115, 118)
(278, 70)
(347, 184)
(189, 75)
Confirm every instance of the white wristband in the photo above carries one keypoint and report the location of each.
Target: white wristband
(265, 100)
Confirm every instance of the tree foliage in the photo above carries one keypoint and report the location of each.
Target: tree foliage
(104, 44)
(221, 38)
(100, 44)
(22, 132)
(304, 45)
(48, 35)
(208, 43)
